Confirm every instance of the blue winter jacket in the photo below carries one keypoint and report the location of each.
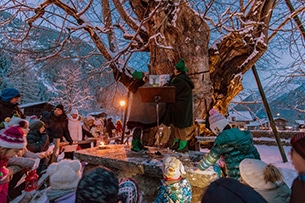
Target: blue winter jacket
(178, 191)
(233, 145)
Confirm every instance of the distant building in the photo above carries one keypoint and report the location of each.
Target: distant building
(261, 124)
(280, 123)
(239, 119)
(300, 125)
(264, 124)
(35, 108)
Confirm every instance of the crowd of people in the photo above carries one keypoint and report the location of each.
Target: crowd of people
(35, 144)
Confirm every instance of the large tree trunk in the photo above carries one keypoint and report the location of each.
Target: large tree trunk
(176, 31)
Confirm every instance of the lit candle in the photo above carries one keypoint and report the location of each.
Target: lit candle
(102, 145)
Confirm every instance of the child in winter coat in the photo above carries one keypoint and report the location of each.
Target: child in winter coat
(174, 187)
(101, 185)
(266, 179)
(298, 160)
(64, 177)
(98, 129)
(12, 142)
(37, 138)
(232, 144)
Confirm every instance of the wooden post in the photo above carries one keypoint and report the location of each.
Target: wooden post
(125, 117)
(269, 113)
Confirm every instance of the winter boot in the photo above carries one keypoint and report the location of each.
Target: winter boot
(175, 144)
(183, 146)
(135, 145)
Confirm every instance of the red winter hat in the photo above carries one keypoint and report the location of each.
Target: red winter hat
(298, 143)
(13, 137)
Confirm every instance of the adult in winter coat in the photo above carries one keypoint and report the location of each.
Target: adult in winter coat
(110, 126)
(9, 105)
(57, 128)
(266, 179)
(298, 161)
(75, 125)
(180, 113)
(142, 115)
(232, 144)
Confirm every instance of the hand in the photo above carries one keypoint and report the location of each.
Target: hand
(36, 164)
(9, 176)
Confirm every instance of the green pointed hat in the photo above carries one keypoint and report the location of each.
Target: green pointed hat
(137, 75)
(180, 66)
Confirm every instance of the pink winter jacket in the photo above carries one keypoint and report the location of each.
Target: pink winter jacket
(4, 186)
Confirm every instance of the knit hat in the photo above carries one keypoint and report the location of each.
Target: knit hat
(298, 143)
(172, 168)
(9, 93)
(137, 75)
(90, 118)
(180, 66)
(229, 190)
(128, 191)
(60, 106)
(252, 172)
(98, 122)
(36, 125)
(65, 174)
(74, 111)
(217, 121)
(13, 137)
(16, 121)
(99, 185)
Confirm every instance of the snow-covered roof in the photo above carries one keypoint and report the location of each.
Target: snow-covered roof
(240, 116)
(258, 122)
(300, 122)
(22, 106)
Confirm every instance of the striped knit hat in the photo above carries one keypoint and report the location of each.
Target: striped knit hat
(13, 137)
(217, 121)
(298, 143)
(129, 191)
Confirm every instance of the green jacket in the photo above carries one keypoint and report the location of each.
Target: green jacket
(180, 113)
(233, 145)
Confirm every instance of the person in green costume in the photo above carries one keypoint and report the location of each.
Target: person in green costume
(142, 115)
(180, 114)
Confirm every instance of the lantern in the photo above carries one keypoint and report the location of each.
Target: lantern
(31, 181)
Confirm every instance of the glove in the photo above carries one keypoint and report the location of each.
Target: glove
(217, 169)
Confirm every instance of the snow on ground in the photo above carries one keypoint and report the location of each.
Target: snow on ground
(271, 154)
